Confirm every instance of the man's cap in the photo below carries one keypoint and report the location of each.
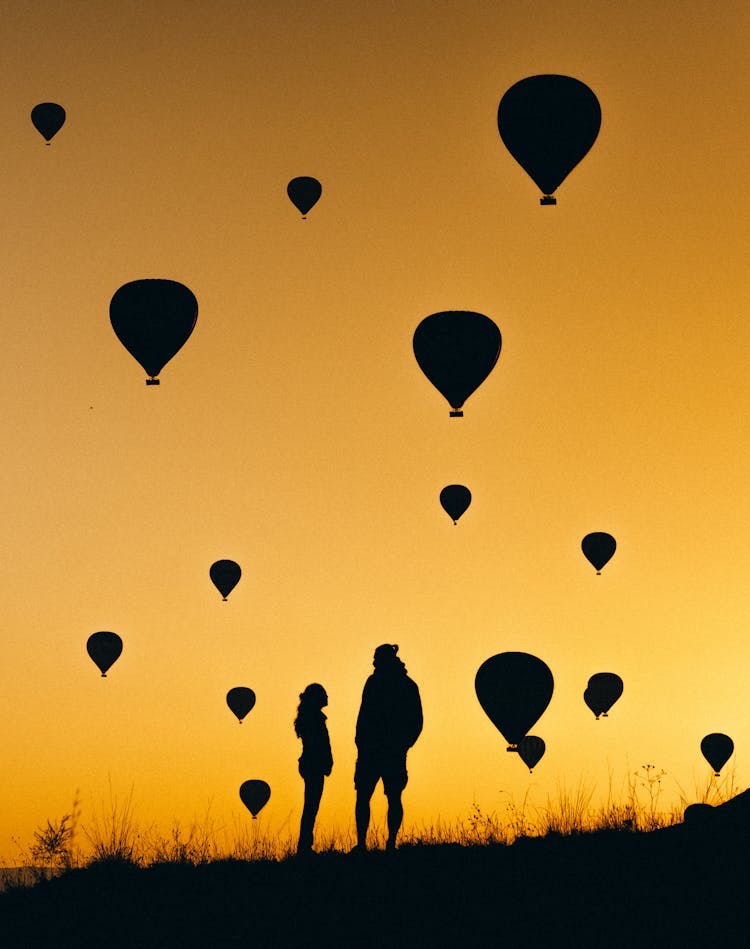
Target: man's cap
(384, 653)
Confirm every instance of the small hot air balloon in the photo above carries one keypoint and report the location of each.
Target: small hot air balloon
(717, 750)
(598, 549)
(455, 499)
(241, 700)
(603, 690)
(548, 124)
(254, 795)
(530, 750)
(153, 319)
(514, 689)
(104, 648)
(304, 193)
(48, 118)
(457, 350)
(225, 575)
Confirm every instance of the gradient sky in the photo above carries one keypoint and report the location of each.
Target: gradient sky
(295, 433)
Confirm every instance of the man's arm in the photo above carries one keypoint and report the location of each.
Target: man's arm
(417, 719)
(362, 717)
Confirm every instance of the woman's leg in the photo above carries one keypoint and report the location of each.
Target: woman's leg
(313, 793)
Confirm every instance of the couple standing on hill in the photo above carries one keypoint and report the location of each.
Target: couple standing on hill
(389, 722)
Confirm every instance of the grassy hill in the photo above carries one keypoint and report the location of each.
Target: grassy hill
(678, 887)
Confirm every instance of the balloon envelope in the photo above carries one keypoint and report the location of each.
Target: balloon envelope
(514, 689)
(104, 648)
(48, 118)
(153, 319)
(530, 750)
(241, 700)
(304, 193)
(598, 549)
(717, 750)
(603, 690)
(548, 123)
(254, 795)
(457, 350)
(455, 499)
(225, 575)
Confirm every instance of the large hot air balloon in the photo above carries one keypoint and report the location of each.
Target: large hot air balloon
(241, 700)
(548, 124)
(457, 350)
(304, 193)
(153, 319)
(254, 795)
(530, 750)
(603, 690)
(104, 648)
(598, 549)
(455, 499)
(48, 118)
(514, 689)
(225, 575)
(717, 750)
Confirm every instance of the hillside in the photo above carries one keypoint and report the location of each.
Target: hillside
(674, 887)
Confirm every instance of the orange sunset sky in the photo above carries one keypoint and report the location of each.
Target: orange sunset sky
(295, 433)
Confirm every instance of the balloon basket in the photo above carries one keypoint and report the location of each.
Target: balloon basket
(512, 748)
(547, 199)
(456, 413)
(152, 382)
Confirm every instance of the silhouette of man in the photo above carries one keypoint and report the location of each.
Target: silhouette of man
(389, 722)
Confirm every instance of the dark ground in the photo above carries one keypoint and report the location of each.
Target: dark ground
(681, 887)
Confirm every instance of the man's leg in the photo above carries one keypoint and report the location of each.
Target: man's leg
(395, 779)
(362, 817)
(365, 779)
(395, 816)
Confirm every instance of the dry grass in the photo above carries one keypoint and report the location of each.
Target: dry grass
(112, 833)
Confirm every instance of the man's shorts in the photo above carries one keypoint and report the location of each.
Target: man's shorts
(390, 767)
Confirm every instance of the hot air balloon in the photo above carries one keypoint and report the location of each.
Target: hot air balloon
(530, 750)
(598, 549)
(153, 319)
(304, 193)
(48, 118)
(603, 690)
(254, 795)
(104, 648)
(548, 124)
(457, 350)
(514, 689)
(225, 575)
(455, 499)
(241, 700)
(717, 749)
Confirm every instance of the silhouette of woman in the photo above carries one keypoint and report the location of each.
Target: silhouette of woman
(315, 761)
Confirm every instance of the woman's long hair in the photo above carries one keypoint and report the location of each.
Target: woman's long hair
(311, 701)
